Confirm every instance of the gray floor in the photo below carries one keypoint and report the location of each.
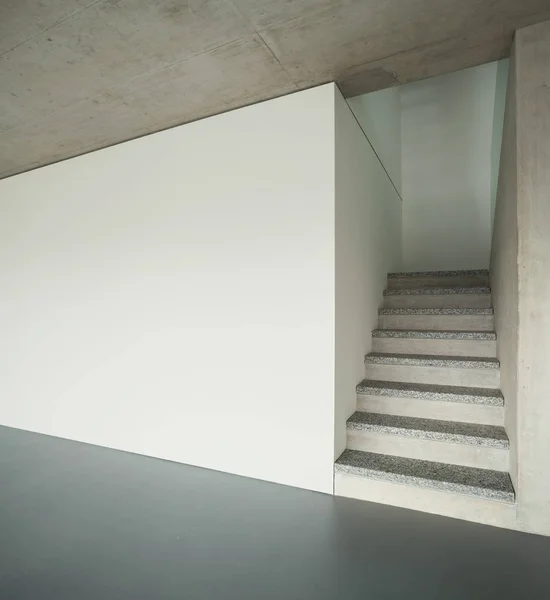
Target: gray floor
(79, 522)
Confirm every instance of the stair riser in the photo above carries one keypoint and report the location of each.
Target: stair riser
(396, 283)
(484, 378)
(432, 409)
(447, 504)
(438, 301)
(481, 348)
(467, 455)
(437, 322)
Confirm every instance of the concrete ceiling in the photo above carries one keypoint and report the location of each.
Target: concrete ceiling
(77, 75)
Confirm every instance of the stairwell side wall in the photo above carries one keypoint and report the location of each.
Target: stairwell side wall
(532, 55)
(504, 270)
(367, 247)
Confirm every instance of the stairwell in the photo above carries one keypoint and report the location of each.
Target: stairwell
(428, 433)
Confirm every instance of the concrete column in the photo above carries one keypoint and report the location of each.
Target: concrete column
(532, 64)
(520, 274)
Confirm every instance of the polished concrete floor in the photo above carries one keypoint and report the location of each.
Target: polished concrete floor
(79, 522)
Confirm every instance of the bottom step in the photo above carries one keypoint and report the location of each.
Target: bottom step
(436, 502)
(450, 478)
(478, 495)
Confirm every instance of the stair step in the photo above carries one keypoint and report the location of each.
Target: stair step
(447, 319)
(467, 371)
(436, 311)
(489, 436)
(442, 393)
(434, 335)
(421, 299)
(485, 483)
(467, 273)
(439, 279)
(442, 402)
(426, 360)
(444, 291)
(435, 342)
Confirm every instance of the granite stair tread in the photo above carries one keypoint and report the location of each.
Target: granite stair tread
(485, 483)
(442, 393)
(482, 272)
(430, 429)
(435, 311)
(435, 291)
(434, 335)
(426, 360)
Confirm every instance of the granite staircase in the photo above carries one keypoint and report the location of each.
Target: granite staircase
(428, 433)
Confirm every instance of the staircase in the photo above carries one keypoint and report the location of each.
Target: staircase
(429, 433)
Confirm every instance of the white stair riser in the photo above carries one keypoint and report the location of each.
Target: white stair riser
(481, 348)
(437, 322)
(485, 378)
(467, 455)
(438, 301)
(431, 282)
(447, 504)
(432, 409)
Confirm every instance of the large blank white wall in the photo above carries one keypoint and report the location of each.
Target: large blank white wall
(447, 163)
(368, 246)
(174, 295)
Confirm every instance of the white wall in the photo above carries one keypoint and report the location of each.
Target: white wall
(174, 295)
(447, 150)
(505, 271)
(379, 114)
(368, 246)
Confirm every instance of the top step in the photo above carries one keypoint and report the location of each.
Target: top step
(438, 279)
